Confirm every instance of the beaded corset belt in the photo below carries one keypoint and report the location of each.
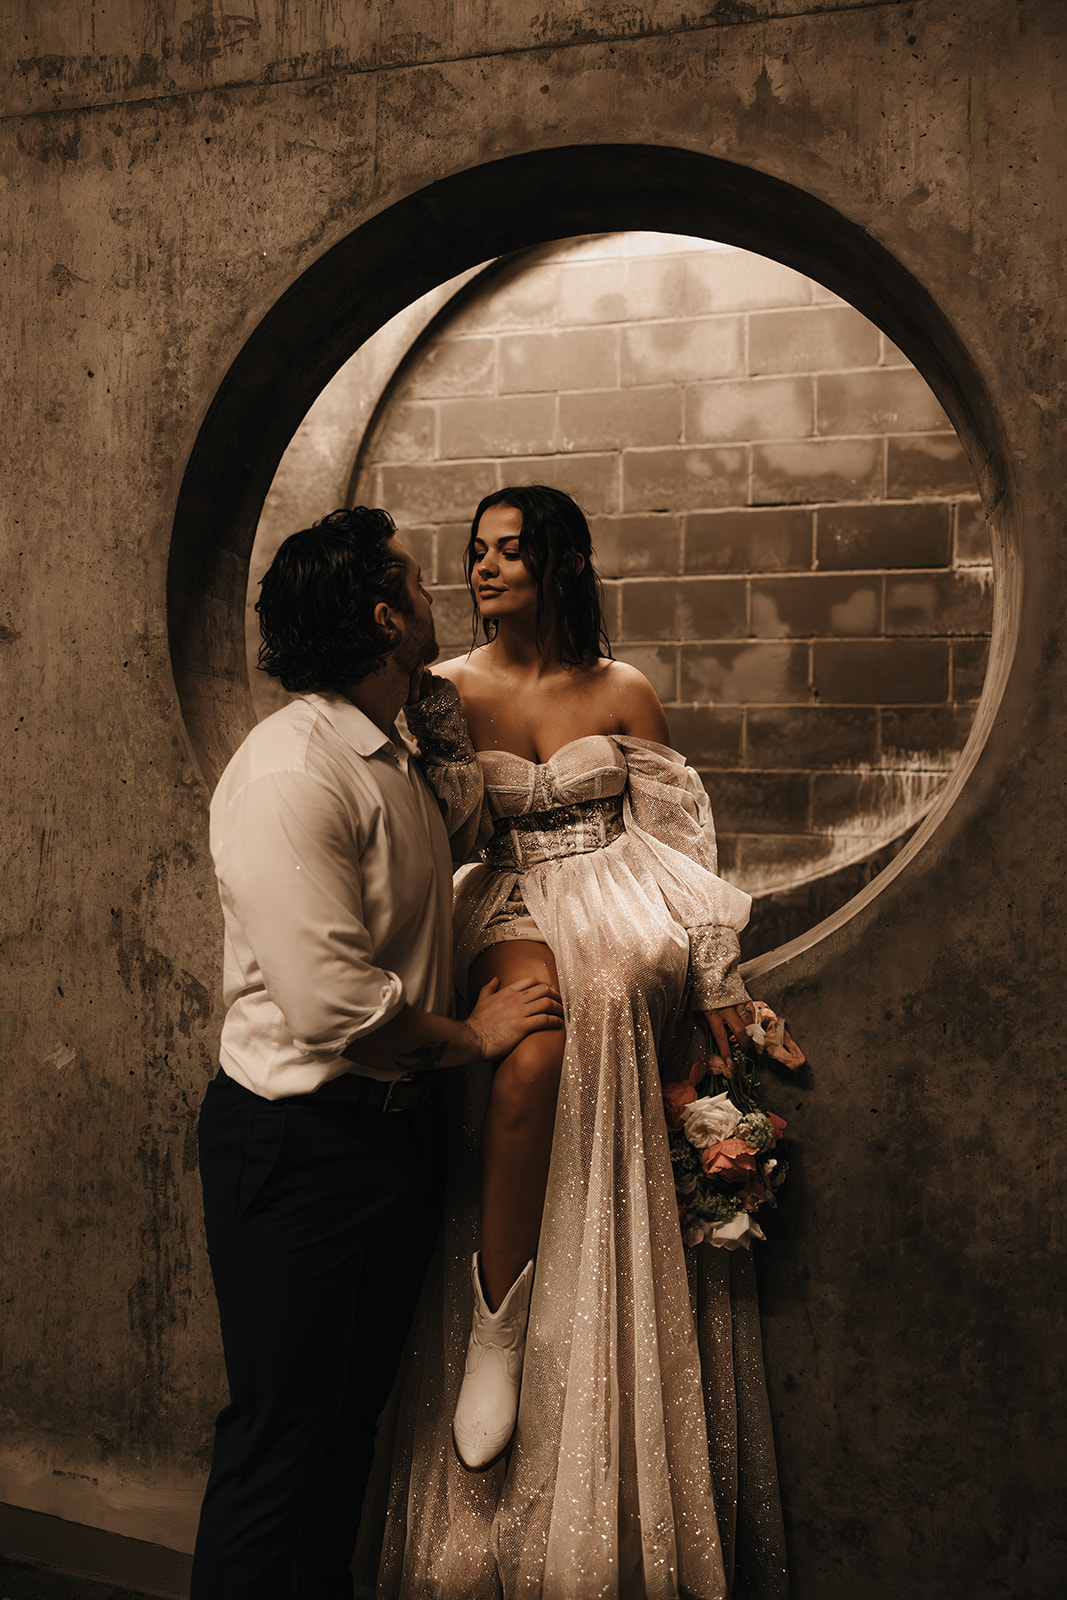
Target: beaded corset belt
(531, 837)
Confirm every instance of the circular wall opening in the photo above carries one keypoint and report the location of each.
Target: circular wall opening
(884, 755)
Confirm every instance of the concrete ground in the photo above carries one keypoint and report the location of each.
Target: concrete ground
(20, 1581)
(45, 1558)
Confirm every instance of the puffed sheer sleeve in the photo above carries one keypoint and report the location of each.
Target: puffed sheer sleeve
(448, 760)
(668, 814)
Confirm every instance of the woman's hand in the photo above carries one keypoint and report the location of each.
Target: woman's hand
(727, 1020)
(774, 1038)
(421, 684)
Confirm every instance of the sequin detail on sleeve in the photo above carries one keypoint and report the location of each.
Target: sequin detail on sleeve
(438, 726)
(448, 759)
(713, 975)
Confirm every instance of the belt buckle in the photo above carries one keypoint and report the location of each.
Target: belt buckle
(400, 1083)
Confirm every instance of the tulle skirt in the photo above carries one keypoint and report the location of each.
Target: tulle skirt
(642, 1466)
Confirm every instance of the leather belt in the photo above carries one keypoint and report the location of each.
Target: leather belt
(376, 1094)
(575, 829)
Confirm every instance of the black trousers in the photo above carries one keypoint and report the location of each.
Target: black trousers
(320, 1221)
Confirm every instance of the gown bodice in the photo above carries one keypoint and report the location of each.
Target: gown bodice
(590, 768)
(545, 810)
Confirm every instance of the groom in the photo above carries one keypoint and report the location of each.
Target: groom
(320, 1138)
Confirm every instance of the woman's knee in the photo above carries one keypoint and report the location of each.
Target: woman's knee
(527, 1081)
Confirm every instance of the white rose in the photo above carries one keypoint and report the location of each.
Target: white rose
(707, 1121)
(735, 1234)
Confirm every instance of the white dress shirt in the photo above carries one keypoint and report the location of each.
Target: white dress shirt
(335, 879)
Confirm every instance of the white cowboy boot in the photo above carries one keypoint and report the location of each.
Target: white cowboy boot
(489, 1397)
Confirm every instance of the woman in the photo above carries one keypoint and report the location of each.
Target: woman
(594, 871)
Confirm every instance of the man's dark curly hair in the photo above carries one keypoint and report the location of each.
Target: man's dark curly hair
(316, 601)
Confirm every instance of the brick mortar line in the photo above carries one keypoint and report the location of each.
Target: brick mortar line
(695, 444)
(684, 385)
(798, 574)
(811, 640)
(879, 706)
(928, 498)
(877, 711)
(796, 308)
(865, 776)
(613, 587)
(746, 376)
(688, 445)
(534, 330)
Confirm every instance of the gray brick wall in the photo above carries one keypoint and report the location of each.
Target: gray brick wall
(790, 537)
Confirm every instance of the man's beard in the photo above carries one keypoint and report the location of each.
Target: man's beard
(420, 650)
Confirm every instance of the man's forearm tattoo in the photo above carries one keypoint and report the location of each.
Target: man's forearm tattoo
(422, 1058)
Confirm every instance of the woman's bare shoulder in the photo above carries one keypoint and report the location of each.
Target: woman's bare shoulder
(461, 670)
(622, 675)
(620, 679)
(635, 704)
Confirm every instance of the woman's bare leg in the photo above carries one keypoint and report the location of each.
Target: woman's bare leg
(517, 1137)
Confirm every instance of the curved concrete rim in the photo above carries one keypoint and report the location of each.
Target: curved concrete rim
(494, 209)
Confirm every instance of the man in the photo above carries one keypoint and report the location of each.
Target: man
(319, 1139)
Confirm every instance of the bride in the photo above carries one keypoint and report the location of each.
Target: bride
(641, 1465)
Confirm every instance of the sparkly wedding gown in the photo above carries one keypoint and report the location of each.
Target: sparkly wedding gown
(642, 1466)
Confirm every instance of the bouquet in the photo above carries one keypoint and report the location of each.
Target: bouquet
(723, 1143)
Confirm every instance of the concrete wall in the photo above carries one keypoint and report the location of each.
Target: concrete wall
(205, 217)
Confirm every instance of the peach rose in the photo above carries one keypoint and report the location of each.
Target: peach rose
(676, 1096)
(778, 1124)
(780, 1044)
(732, 1160)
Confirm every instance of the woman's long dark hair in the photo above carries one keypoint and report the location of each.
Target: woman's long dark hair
(554, 535)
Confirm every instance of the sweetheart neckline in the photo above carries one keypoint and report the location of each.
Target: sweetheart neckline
(526, 760)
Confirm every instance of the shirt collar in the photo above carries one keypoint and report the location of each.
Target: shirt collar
(355, 727)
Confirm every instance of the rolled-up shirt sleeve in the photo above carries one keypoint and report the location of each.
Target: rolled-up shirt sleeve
(287, 855)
